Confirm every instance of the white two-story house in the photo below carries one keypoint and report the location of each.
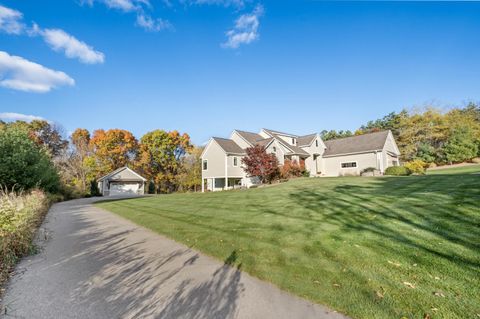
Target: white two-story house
(222, 158)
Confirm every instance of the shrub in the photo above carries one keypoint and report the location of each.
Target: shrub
(397, 171)
(291, 169)
(416, 166)
(23, 164)
(368, 169)
(94, 191)
(20, 215)
(476, 160)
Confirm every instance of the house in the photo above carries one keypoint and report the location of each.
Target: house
(122, 181)
(222, 158)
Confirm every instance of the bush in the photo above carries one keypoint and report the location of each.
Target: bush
(291, 169)
(151, 187)
(94, 191)
(368, 169)
(23, 164)
(20, 215)
(397, 171)
(416, 166)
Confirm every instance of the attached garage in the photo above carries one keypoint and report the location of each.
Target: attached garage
(122, 181)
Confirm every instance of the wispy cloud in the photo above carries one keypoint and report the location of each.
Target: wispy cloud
(150, 24)
(225, 3)
(20, 74)
(73, 48)
(140, 8)
(124, 5)
(245, 30)
(11, 21)
(8, 116)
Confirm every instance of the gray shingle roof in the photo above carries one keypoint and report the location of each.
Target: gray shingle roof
(306, 140)
(272, 132)
(229, 146)
(356, 144)
(250, 137)
(264, 142)
(296, 150)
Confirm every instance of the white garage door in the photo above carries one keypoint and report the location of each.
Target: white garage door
(123, 189)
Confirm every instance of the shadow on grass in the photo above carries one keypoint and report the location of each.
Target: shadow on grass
(417, 212)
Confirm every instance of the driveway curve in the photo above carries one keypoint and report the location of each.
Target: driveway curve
(94, 264)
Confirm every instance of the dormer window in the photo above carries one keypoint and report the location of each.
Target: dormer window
(293, 141)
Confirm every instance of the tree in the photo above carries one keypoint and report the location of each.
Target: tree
(43, 133)
(461, 146)
(190, 175)
(74, 163)
(23, 164)
(258, 163)
(112, 149)
(332, 134)
(49, 136)
(160, 157)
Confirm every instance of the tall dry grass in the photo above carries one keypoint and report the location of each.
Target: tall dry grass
(20, 216)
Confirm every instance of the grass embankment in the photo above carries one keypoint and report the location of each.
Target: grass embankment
(20, 216)
(455, 170)
(388, 247)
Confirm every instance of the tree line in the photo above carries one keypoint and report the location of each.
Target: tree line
(430, 135)
(37, 150)
(37, 154)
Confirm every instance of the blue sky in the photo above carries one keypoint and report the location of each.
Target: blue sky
(207, 66)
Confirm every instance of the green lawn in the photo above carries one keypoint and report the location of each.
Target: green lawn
(455, 170)
(389, 247)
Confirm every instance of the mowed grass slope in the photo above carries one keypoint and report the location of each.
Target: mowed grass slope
(388, 247)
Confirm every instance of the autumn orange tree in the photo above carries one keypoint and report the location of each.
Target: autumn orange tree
(112, 149)
(160, 157)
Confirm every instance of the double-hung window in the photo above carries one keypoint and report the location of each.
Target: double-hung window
(235, 161)
(205, 165)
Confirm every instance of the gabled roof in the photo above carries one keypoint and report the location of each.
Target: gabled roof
(250, 137)
(274, 133)
(356, 144)
(229, 146)
(265, 142)
(306, 140)
(118, 170)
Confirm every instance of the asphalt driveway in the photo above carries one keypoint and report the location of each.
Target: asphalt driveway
(94, 264)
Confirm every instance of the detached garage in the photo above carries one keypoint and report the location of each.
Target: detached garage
(122, 181)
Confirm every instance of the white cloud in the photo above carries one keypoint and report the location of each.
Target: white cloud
(73, 48)
(149, 24)
(226, 3)
(20, 117)
(139, 7)
(20, 74)
(11, 21)
(245, 30)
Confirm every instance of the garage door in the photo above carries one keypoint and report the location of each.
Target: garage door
(123, 189)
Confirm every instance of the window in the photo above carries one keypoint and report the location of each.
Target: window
(293, 141)
(274, 149)
(205, 165)
(235, 161)
(349, 165)
(316, 143)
